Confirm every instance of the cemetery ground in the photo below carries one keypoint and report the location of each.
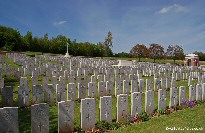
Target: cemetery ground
(190, 117)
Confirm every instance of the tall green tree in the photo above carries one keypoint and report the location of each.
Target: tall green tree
(107, 45)
(108, 40)
(10, 39)
(27, 39)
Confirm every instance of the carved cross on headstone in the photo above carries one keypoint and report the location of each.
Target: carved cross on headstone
(88, 116)
(40, 126)
(162, 98)
(24, 95)
(175, 97)
(106, 114)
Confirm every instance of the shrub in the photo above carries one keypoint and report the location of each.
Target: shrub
(103, 125)
(144, 116)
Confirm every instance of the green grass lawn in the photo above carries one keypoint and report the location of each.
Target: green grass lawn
(188, 118)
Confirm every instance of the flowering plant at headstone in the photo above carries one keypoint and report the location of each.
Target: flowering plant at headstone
(189, 104)
(134, 118)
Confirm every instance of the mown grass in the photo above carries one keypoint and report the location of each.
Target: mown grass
(188, 118)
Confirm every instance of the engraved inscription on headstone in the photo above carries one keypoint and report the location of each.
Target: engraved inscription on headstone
(122, 107)
(192, 93)
(118, 87)
(71, 91)
(173, 97)
(101, 88)
(88, 113)
(7, 96)
(198, 92)
(82, 90)
(23, 97)
(37, 94)
(92, 89)
(106, 108)
(136, 103)
(9, 120)
(182, 94)
(66, 116)
(40, 118)
(61, 91)
(49, 94)
(149, 102)
(134, 86)
(161, 99)
(126, 87)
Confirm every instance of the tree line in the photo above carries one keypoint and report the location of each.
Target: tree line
(156, 51)
(12, 40)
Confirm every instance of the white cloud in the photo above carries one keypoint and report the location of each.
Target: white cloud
(175, 8)
(60, 22)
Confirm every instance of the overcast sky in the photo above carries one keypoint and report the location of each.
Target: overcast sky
(164, 22)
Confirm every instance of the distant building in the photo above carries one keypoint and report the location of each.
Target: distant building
(191, 60)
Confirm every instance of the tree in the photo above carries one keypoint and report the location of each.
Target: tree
(108, 40)
(107, 45)
(175, 52)
(139, 51)
(156, 51)
(28, 41)
(10, 39)
(201, 55)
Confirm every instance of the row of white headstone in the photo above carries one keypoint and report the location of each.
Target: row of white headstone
(72, 91)
(40, 112)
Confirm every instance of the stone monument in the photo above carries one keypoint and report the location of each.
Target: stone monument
(67, 54)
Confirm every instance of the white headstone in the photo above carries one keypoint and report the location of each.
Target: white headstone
(136, 103)
(7, 96)
(37, 94)
(122, 107)
(182, 94)
(148, 84)
(82, 90)
(173, 97)
(88, 113)
(9, 120)
(126, 87)
(134, 86)
(40, 118)
(92, 89)
(61, 92)
(66, 116)
(203, 91)
(149, 102)
(71, 91)
(141, 85)
(118, 87)
(198, 92)
(161, 99)
(23, 97)
(192, 93)
(101, 88)
(49, 94)
(106, 108)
